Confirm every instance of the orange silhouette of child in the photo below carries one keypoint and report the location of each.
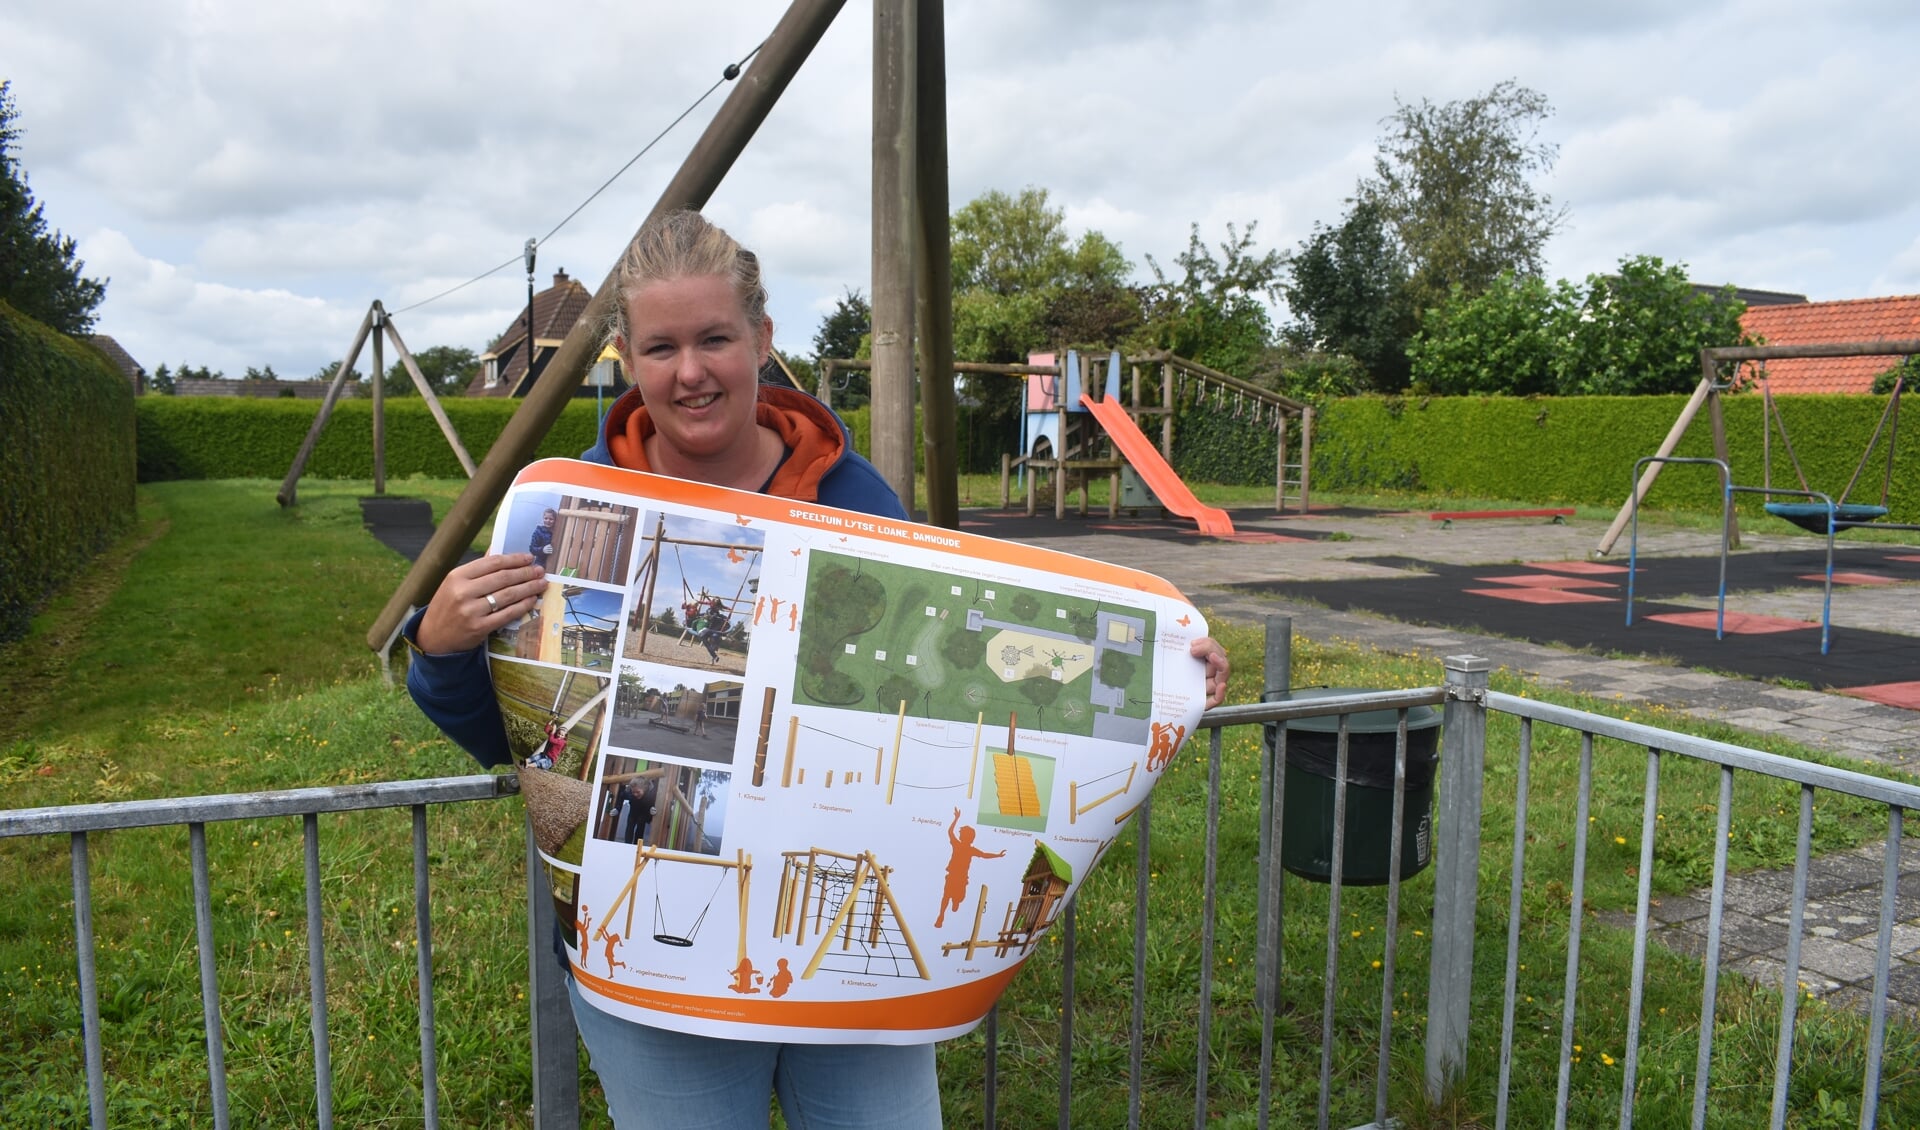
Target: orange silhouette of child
(744, 976)
(782, 979)
(964, 853)
(612, 941)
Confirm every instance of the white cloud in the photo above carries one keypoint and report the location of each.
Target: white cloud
(252, 176)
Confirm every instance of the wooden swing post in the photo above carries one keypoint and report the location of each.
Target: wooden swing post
(288, 486)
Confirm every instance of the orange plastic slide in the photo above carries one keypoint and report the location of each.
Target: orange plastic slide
(1168, 487)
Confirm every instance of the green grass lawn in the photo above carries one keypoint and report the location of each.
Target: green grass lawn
(221, 648)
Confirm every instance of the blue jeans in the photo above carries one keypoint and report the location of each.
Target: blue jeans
(654, 1078)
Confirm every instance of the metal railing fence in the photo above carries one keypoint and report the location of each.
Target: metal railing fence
(1454, 1052)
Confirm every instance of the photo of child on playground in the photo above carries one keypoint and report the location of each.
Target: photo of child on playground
(553, 716)
(678, 713)
(574, 536)
(661, 804)
(572, 625)
(694, 593)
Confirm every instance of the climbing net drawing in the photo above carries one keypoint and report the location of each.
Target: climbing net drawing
(846, 901)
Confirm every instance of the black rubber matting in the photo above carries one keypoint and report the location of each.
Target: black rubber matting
(1444, 596)
(404, 525)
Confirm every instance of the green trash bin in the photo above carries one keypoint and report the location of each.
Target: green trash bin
(1312, 758)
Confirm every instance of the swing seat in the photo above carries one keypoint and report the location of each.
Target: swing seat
(674, 940)
(1812, 516)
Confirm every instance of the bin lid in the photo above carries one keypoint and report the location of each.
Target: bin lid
(1360, 722)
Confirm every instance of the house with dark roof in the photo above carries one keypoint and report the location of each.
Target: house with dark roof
(518, 358)
(1812, 323)
(122, 360)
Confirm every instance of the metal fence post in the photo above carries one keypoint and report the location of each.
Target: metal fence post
(1279, 679)
(1456, 872)
(556, 1050)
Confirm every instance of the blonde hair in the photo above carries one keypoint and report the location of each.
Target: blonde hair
(684, 244)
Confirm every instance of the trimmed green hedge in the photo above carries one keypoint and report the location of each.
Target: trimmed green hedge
(1582, 449)
(1545, 450)
(66, 462)
(220, 437)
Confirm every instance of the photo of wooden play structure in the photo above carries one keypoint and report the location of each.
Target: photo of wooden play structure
(847, 903)
(694, 594)
(874, 635)
(573, 536)
(676, 713)
(659, 804)
(572, 625)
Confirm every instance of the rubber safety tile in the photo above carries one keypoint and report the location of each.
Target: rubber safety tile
(1548, 581)
(1903, 695)
(1851, 579)
(1542, 596)
(1737, 624)
(1577, 568)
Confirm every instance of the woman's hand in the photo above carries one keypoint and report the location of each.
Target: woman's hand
(478, 598)
(1208, 650)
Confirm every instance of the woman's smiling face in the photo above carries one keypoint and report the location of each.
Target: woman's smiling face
(696, 359)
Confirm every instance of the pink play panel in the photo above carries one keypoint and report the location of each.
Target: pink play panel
(1850, 578)
(1905, 557)
(1547, 581)
(1738, 623)
(1903, 695)
(1541, 596)
(1578, 568)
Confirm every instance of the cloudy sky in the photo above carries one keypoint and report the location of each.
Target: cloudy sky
(251, 176)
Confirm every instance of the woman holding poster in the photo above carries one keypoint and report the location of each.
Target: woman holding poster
(691, 327)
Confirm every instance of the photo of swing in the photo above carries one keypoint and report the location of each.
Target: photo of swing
(573, 537)
(694, 591)
(658, 804)
(876, 634)
(689, 714)
(571, 625)
(552, 715)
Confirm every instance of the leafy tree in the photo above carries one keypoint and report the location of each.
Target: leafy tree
(1514, 338)
(1216, 311)
(1637, 331)
(447, 368)
(326, 371)
(1347, 289)
(1908, 368)
(1455, 182)
(1018, 282)
(266, 374)
(161, 381)
(1641, 330)
(39, 275)
(839, 337)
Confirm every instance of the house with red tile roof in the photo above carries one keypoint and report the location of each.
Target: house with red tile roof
(1811, 323)
(514, 363)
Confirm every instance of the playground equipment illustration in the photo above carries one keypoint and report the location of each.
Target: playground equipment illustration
(835, 751)
(683, 935)
(846, 901)
(1076, 808)
(1042, 888)
(716, 624)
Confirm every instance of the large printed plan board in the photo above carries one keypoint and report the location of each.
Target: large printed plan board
(805, 774)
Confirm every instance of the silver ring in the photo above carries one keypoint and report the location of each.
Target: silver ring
(492, 604)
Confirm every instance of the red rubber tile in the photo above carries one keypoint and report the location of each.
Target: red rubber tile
(1738, 623)
(1579, 568)
(1548, 581)
(1899, 557)
(1849, 579)
(1903, 695)
(1542, 596)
